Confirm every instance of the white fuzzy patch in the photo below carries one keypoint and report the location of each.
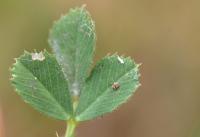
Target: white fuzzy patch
(38, 56)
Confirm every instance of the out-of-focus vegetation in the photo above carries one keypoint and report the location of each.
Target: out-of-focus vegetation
(163, 35)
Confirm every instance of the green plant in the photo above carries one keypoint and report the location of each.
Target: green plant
(61, 85)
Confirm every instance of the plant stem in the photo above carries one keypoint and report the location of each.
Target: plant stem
(71, 126)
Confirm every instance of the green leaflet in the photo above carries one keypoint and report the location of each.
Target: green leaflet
(99, 95)
(39, 80)
(56, 85)
(72, 39)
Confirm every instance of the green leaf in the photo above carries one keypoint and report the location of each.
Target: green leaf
(39, 80)
(73, 41)
(112, 82)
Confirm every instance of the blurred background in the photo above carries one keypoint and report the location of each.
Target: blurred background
(163, 35)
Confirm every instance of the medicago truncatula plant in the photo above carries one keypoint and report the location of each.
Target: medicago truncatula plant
(62, 86)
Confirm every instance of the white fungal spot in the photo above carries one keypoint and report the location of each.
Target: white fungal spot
(35, 78)
(38, 56)
(75, 89)
(120, 60)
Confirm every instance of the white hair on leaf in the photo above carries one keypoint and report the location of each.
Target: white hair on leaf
(120, 60)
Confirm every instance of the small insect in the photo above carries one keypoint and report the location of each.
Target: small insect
(115, 86)
(38, 56)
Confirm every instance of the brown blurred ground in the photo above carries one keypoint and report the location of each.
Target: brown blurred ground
(163, 35)
(1, 124)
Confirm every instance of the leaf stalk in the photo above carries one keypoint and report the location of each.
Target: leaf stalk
(71, 126)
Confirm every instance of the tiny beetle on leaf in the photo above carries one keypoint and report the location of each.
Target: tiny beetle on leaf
(115, 86)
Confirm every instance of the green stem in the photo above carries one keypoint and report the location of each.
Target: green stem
(71, 126)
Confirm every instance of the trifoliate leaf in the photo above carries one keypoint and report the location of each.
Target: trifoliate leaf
(39, 80)
(113, 80)
(73, 41)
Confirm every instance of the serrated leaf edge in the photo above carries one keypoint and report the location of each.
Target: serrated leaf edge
(13, 76)
(136, 69)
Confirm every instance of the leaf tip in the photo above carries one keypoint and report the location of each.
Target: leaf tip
(26, 52)
(83, 6)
